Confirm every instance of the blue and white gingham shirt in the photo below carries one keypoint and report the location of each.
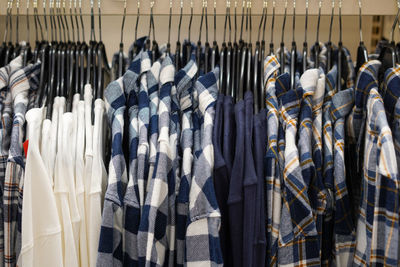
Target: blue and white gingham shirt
(202, 240)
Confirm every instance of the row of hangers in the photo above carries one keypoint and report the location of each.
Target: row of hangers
(68, 62)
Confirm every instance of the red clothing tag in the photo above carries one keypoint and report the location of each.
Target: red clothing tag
(26, 144)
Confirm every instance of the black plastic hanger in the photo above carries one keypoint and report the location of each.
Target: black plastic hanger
(91, 67)
(340, 76)
(293, 52)
(235, 60)
(305, 44)
(27, 50)
(329, 46)
(214, 50)
(187, 49)
(222, 57)
(135, 48)
(228, 55)
(155, 50)
(207, 49)
(282, 57)
(169, 29)
(18, 47)
(83, 57)
(120, 66)
(271, 44)
(199, 48)
(362, 52)
(9, 46)
(261, 88)
(256, 68)
(71, 49)
(249, 50)
(317, 47)
(178, 55)
(242, 60)
(103, 68)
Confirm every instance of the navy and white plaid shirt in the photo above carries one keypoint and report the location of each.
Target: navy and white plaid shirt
(184, 80)
(202, 239)
(378, 220)
(298, 240)
(344, 231)
(111, 233)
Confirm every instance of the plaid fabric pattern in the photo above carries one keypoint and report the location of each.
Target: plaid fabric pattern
(390, 92)
(5, 134)
(378, 222)
(154, 229)
(110, 244)
(344, 234)
(184, 80)
(355, 125)
(351, 75)
(298, 242)
(21, 82)
(272, 171)
(322, 57)
(327, 151)
(202, 240)
(320, 201)
(131, 198)
(396, 131)
(143, 124)
(153, 78)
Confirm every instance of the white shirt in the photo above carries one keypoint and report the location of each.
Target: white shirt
(41, 230)
(79, 179)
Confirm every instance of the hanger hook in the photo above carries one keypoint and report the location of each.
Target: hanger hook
(82, 24)
(7, 16)
(271, 46)
(332, 14)
(284, 23)
(319, 19)
(306, 23)
(123, 23)
(66, 21)
(37, 21)
(241, 26)
(340, 21)
(17, 24)
(100, 31)
(92, 32)
(294, 20)
(228, 19)
(169, 23)
(10, 17)
(235, 21)
(191, 18)
(265, 19)
(215, 20)
(151, 19)
(201, 20)
(72, 21)
(60, 18)
(27, 20)
(261, 22)
(137, 19)
(180, 21)
(206, 16)
(249, 19)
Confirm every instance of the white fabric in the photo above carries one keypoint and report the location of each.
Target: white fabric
(41, 230)
(49, 140)
(92, 246)
(64, 188)
(79, 182)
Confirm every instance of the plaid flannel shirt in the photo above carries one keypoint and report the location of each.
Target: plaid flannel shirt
(272, 171)
(153, 79)
(131, 198)
(153, 235)
(184, 80)
(202, 240)
(6, 110)
(317, 184)
(111, 233)
(355, 124)
(378, 221)
(143, 120)
(327, 149)
(351, 72)
(22, 81)
(344, 234)
(298, 241)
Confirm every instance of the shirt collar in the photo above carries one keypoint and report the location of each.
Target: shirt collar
(330, 81)
(183, 80)
(308, 81)
(392, 85)
(289, 99)
(207, 89)
(366, 80)
(271, 67)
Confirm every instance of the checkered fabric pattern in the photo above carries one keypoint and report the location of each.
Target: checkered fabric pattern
(396, 131)
(298, 241)
(143, 120)
(111, 233)
(320, 201)
(131, 198)
(202, 240)
(184, 80)
(327, 151)
(344, 231)
(378, 221)
(154, 229)
(6, 110)
(22, 81)
(272, 171)
(153, 79)
(355, 125)
(351, 75)
(390, 92)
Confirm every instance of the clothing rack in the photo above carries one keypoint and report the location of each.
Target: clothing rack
(161, 7)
